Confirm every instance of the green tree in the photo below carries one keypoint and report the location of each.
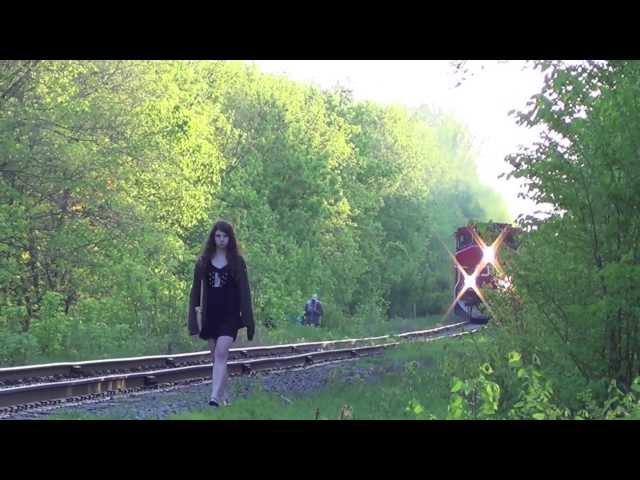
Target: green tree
(578, 270)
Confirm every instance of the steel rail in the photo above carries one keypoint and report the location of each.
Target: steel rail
(24, 397)
(69, 370)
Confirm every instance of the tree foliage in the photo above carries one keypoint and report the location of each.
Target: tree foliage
(112, 172)
(577, 273)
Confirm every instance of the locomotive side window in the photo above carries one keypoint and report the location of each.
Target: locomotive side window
(463, 240)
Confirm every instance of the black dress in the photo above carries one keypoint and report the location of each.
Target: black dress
(222, 316)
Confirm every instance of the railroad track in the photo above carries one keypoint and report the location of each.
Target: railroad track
(54, 385)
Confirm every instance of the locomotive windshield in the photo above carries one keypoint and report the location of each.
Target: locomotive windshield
(464, 240)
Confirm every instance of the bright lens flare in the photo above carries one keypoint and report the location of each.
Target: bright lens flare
(490, 253)
(489, 256)
(469, 281)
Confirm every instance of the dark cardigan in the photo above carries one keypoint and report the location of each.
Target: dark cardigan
(239, 273)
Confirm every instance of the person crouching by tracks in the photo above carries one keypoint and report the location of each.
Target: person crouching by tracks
(221, 291)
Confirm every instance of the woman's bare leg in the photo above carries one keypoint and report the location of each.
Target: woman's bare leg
(212, 347)
(221, 353)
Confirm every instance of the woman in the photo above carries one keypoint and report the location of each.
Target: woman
(221, 272)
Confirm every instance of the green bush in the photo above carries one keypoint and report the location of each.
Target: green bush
(17, 348)
(479, 397)
(53, 328)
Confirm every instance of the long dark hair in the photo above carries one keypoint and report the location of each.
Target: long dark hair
(233, 249)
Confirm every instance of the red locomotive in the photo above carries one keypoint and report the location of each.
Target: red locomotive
(476, 261)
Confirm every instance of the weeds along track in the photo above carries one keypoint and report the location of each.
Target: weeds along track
(59, 384)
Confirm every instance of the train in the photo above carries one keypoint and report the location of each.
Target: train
(476, 264)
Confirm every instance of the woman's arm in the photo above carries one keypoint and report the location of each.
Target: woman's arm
(194, 300)
(246, 307)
